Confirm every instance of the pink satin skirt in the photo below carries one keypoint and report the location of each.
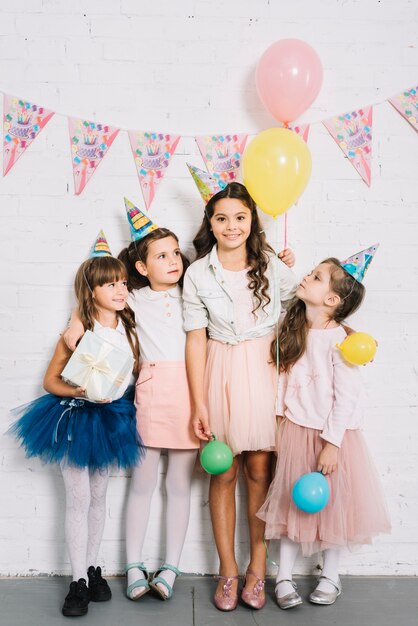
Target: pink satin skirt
(163, 408)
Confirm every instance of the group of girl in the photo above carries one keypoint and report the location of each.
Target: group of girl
(206, 356)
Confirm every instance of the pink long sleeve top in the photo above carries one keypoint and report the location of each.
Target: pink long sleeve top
(322, 390)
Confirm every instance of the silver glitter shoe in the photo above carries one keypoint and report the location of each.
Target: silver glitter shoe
(325, 597)
(289, 600)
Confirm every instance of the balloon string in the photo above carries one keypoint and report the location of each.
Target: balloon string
(267, 553)
(278, 317)
(285, 230)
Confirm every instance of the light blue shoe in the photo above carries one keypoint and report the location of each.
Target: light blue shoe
(158, 579)
(137, 584)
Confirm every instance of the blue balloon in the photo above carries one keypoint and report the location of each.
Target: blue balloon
(310, 492)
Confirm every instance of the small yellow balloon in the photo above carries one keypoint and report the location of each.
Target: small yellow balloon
(276, 169)
(358, 348)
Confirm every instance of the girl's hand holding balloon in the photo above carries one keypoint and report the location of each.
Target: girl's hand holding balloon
(200, 423)
(328, 459)
(287, 256)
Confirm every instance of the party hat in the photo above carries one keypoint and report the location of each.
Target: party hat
(100, 246)
(206, 185)
(357, 264)
(140, 224)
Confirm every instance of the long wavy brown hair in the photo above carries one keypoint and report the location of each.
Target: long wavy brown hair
(256, 245)
(96, 272)
(138, 251)
(294, 329)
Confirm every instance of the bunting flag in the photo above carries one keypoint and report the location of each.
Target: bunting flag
(406, 103)
(90, 142)
(222, 154)
(302, 131)
(152, 153)
(22, 123)
(353, 133)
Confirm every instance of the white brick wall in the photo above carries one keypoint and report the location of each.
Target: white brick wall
(188, 67)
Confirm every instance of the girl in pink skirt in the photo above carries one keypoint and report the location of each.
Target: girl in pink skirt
(232, 294)
(155, 268)
(319, 421)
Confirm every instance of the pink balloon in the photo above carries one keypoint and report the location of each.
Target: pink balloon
(288, 77)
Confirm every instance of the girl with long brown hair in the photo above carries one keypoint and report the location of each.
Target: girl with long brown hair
(83, 436)
(155, 267)
(319, 415)
(233, 294)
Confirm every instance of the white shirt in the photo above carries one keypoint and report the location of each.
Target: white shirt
(209, 303)
(242, 298)
(117, 337)
(322, 390)
(159, 323)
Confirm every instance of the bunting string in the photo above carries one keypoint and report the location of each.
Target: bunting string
(152, 151)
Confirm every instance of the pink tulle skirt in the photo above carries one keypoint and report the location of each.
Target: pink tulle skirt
(241, 391)
(356, 510)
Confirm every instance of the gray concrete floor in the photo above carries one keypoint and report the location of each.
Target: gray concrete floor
(381, 601)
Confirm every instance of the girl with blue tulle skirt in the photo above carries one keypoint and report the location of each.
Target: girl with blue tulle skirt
(86, 437)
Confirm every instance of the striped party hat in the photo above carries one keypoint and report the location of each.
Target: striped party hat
(357, 264)
(140, 224)
(206, 184)
(100, 246)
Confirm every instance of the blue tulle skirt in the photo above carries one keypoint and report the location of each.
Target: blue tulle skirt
(81, 433)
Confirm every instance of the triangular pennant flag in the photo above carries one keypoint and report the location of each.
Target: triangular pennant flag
(302, 130)
(357, 264)
(222, 154)
(152, 153)
(140, 224)
(406, 103)
(100, 246)
(206, 185)
(353, 133)
(90, 142)
(22, 123)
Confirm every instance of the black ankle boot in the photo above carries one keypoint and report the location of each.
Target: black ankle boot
(77, 599)
(98, 587)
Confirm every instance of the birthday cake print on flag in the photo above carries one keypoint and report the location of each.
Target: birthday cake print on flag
(90, 142)
(353, 133)
(152, 153)
(22, 123)
(222, 154)
(406, 103)
(302, 130)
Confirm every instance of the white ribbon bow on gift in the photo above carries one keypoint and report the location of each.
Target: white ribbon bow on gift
(88, 375)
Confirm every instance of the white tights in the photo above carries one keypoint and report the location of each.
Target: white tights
(84, 515)
(178, 487)
(288, 553)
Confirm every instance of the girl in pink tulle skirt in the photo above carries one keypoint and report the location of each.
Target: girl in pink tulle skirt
(232, 298)
(319, 422)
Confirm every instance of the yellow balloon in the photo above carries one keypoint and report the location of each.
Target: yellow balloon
(276, 168)
(358, 348)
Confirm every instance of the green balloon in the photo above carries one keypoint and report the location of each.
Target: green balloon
(216, 457)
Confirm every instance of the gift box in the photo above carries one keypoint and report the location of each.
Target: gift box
(98, 366)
